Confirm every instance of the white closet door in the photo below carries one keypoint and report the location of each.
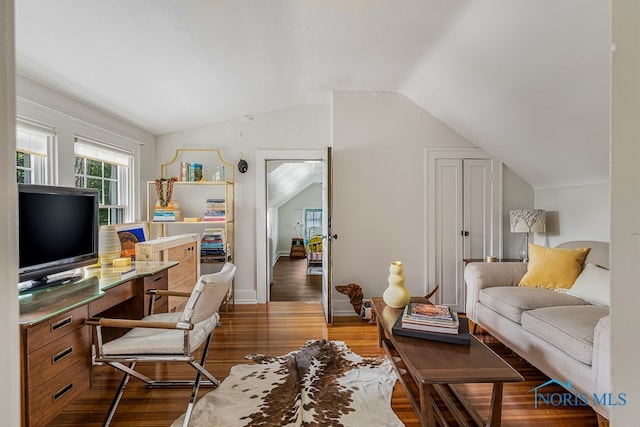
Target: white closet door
(477, 208)
(463, 198)
(449, 224)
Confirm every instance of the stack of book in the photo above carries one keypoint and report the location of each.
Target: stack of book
(430, 318)
(169, 213)
(214, 210)
(432, 322)
(212, 246)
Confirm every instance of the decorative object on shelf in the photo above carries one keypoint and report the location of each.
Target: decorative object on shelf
(108, 245)
(396, 295)
(164, 190)
(527, 221)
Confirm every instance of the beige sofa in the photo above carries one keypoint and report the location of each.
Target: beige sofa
(565, 337)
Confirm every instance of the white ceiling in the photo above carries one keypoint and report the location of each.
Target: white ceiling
(527, 80)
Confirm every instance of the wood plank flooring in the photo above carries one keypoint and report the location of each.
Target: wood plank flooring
(291, 282)
(278, 328)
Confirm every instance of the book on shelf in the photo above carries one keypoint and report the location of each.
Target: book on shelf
(192, 219)
(462, 337)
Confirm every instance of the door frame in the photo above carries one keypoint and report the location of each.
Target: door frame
(262, 156)
(430, 157)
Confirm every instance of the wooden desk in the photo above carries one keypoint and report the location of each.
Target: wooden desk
(55, 345)
(435, 367)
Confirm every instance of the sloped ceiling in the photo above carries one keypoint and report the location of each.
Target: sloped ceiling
(287, 179)
(526, 80)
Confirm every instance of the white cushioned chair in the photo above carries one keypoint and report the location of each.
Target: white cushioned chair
(167, 337)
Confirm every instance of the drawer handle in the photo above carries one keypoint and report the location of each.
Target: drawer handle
(157, 279)
(64, 390)
(61, 355)
(61, 324)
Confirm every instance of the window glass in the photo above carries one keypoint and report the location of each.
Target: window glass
(32, 145)
(105, 169)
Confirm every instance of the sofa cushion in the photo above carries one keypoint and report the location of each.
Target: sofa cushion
(553, 267)
(593, 285)
(511, 301)
(568, 328)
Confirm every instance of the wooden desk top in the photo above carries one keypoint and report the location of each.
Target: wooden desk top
(434, 362)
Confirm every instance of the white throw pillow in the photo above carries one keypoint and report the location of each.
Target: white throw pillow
(593, 285)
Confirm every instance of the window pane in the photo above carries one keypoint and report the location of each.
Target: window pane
(22, 177)
(23, 159)
(117, 215)
(94, 168)
(97, 184)
(79, 166)
(110, 171)
(79, 181)
(103, 216)
(110, 192)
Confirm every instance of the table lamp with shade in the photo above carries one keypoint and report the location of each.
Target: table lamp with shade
(527, 221)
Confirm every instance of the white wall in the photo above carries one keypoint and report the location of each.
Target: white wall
(9, 356)
(302, 127)
(292, 212)
(379, 194)
(575, 213)
(625, 210)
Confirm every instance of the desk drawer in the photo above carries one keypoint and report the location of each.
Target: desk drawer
(42, 334)
(56, 356)
(157, 281)
(48, 396)
(112, 297)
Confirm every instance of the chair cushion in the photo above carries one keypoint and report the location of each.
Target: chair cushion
(553, 267)
(511, 301)
(568, 328)
(160, 341)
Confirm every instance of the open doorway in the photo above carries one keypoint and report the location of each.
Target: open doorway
(264, 249)
(294, 229)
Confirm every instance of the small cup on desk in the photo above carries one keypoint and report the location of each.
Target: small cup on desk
(491, 259)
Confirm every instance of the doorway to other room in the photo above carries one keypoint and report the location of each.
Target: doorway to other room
(294, 229)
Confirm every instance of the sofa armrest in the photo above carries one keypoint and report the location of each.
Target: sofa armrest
(601, 362)
(480, 275)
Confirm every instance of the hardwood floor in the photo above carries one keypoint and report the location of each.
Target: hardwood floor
(278, 328)
(291, 282)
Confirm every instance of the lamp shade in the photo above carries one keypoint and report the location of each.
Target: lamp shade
(528, 221)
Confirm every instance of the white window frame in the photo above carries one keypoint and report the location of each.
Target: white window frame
(38, 145)
(91, 149)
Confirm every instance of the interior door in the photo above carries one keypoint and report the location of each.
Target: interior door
(463, 223)
(327, 233)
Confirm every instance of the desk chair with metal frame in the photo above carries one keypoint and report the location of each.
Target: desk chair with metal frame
(167, 337)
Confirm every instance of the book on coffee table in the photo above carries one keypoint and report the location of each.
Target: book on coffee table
(462, 337)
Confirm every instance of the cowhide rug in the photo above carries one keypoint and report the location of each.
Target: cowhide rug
(323, 383)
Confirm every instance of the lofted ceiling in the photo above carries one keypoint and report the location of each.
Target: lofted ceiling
(527, 80)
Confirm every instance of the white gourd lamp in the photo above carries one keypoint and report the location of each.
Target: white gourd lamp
(527, 221)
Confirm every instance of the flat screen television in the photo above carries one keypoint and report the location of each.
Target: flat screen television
(57, 233)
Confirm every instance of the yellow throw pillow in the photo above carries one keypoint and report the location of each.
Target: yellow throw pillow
(553, 268)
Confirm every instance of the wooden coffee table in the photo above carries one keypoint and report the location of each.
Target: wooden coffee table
(436, 367)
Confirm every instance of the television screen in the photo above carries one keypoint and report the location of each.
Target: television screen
(57, 232)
